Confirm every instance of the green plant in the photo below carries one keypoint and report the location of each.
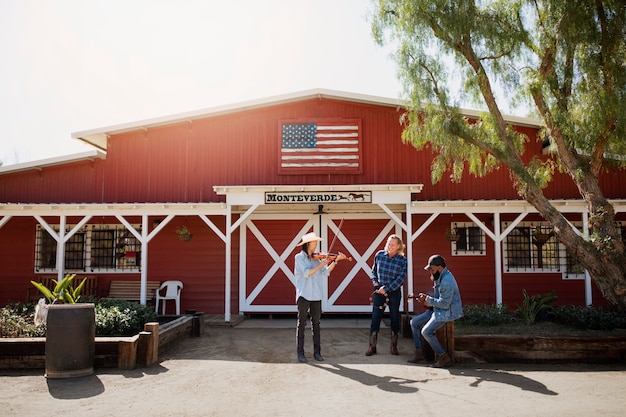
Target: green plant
(184, 233)
(588, 318)
(452, 234)
(486, 314)
(533, 305)
(62, 291)
(115, 317)
(16, 320)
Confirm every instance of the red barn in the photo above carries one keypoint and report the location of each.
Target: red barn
(248, 180)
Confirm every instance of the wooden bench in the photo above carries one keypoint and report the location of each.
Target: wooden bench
(131, 290)
(90, 289)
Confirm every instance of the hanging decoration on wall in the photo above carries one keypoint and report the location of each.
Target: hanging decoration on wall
(452, 234)
(184, 233)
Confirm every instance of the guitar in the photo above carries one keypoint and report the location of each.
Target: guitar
(421, 297)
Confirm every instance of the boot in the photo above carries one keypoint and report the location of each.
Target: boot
(300, 347)
(443, 361)
(394, 343)
(418, 356)
(372, 348)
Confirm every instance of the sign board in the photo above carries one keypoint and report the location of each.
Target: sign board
(318, 197)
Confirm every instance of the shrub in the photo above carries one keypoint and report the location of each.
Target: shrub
(533, 305)
(17, 320)
(113, 318)
(589, 318)
(121, 318)
(486, 315)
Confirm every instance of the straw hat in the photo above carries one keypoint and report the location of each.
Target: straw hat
(309, 237)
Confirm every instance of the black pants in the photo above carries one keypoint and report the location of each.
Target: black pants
(314, 309)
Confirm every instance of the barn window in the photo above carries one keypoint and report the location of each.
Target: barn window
(533, 248)
(94, 248)
(470, 239)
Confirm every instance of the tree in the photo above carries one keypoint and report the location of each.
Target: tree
(564, 58)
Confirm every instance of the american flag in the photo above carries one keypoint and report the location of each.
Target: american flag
(320, 145)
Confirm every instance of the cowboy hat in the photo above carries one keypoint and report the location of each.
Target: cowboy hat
(309, 237)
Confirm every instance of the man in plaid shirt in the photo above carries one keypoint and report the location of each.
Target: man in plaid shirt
(388, 276)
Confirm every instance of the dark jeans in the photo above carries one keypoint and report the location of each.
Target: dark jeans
(425, 325)
(314, 309)
(395, 297)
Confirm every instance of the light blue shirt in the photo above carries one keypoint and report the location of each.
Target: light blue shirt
(311, 288)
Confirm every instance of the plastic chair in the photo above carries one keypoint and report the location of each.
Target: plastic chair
(172, 292)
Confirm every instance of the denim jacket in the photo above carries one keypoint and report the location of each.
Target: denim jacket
(447, 298)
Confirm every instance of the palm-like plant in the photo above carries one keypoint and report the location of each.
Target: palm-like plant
(62, 291)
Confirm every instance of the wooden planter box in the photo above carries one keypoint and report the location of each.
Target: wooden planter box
(533, 349)
(140, 350)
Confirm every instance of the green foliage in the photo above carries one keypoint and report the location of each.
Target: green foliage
(486, 314)
(62, 291)
(532, 305)
(113, 318)
(588, 318)
(17, 320)
(121, 318)
(562, 60)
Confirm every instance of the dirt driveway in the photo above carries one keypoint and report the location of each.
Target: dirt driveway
(254, 372)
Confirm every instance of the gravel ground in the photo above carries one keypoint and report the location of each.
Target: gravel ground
(233, 371)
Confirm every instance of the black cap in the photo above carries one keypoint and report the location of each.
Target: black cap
(435, 260)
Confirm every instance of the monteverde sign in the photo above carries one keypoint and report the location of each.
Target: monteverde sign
(318, 197)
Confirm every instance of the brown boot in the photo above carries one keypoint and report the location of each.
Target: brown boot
(443, 361)
(394, 343)
(372, 347)
(418, 356)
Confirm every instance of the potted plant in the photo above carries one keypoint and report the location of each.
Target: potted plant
(184, 233)
(452, 234)
(71, 329)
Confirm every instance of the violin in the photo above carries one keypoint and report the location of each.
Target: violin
(327, 256)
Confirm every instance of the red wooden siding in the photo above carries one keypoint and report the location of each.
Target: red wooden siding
(182, 162)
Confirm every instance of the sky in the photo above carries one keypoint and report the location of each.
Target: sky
(76, 65)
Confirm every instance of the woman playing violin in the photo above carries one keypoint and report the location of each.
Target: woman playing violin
(310, 272)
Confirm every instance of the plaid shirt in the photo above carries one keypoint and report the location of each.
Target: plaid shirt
(389, 272)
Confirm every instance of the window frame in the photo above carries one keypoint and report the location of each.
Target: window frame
(462, 229)
(125, 250)
(564, 261)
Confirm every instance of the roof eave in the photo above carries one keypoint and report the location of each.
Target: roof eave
(61, 160)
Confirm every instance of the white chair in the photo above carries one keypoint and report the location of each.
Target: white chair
(172, 292)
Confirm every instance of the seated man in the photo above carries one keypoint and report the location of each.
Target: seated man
(446, 306)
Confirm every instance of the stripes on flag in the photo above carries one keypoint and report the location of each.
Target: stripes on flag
(320, 146)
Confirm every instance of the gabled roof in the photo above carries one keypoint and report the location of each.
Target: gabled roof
(98, 137)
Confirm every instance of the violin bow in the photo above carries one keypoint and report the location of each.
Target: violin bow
(335, 238)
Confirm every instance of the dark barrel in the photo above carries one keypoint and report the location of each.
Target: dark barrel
(70, 340)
